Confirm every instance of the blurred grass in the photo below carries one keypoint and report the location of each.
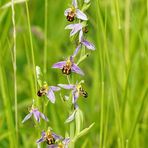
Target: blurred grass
(116, 73)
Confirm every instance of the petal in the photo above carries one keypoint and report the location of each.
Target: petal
(71, 26)
(66, 141)
(67, 11)
(40, 140)
(56, 137)
(81, 35)
(53, 146)
(36, 114)
(67, 86)
(75, 28)
(76, 51)
(71, 59)
(43, 133)
(88, 45)
(76, 69)
(81, 15)
(55, 88)
(44, 117)
(27, 117)
(51, 95)
(59, 64)
(75, 96)
(71, 117)
(74, 3)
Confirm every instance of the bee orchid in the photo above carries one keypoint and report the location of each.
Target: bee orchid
(78, 28)
(75, 28)
(53, 140)
(37, 115)
(48, 91)
(68, 66)
(77, 90)
(73, 12)
(87, 44)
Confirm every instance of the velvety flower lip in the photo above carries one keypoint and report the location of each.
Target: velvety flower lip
(68, 66)
(73, 12)
(62, 144)
(37, 115)
(76, 90)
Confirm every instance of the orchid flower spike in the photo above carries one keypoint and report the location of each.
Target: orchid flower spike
(73, 12)
(68, 66)
(37, 115)
(48, 91)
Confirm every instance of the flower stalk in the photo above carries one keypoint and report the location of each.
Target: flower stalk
(68, 67)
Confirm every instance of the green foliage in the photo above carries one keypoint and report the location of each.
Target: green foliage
(116, 74)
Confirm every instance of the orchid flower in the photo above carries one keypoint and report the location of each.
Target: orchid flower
(83, 42)
(77, 90)
(48, 91)
(68, 66)
(37, 115)
(74, 28)
(53, 140)
(73, 12)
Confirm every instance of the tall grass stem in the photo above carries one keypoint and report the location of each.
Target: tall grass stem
(14, 68)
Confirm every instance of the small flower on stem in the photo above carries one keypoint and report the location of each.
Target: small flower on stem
(77, 90)
(48, 91)
(73, 12)
(53, 140)
(84, 42)
(68, 66)
(37, 115)
(74, 28)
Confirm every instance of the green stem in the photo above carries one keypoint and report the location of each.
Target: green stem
(14, 68)
(144, 97)
(118, 13)
(45, 34)
(72, 133)
(32, 50)
(7, 108)
(127, 26)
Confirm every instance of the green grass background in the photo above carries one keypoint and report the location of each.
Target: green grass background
(116, 74)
